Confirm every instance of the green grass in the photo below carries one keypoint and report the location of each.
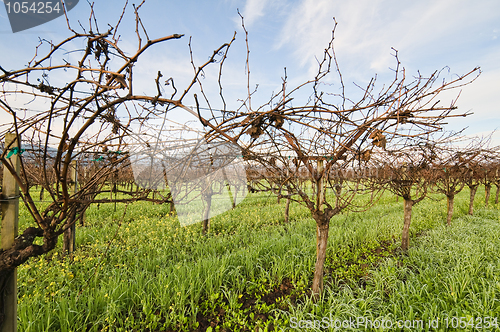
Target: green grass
(150, 274)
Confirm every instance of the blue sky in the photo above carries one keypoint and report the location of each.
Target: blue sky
(428, 35)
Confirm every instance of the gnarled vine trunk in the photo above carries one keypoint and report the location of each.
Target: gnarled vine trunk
(207, 198)
(450, 209)
(496, 195)
(20, 251)
(287, 210)
(405, 236)
(473, 190)
(322, 228)
(487, 189)
(69, 234)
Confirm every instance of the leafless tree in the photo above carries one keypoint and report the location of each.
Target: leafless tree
(408, 174)
(87, 107)
(496, 180)
(480, 170)
(488, 171)
(450, 166)
(472, 180)
(331, 130)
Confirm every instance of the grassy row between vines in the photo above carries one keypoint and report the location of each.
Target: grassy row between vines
(253, 272)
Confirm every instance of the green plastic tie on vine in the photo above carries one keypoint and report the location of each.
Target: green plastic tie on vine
(14, 151)
(99, 159)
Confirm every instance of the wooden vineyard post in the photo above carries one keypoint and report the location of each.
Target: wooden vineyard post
(288, 200)
(74, 180)
(82, 213)
(69, 234)
(321, 186)
(229, 191)
(10, 218)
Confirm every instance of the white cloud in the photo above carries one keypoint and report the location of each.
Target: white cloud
(369, 28)
(263, 11)
(427, 34)
(253, 10)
